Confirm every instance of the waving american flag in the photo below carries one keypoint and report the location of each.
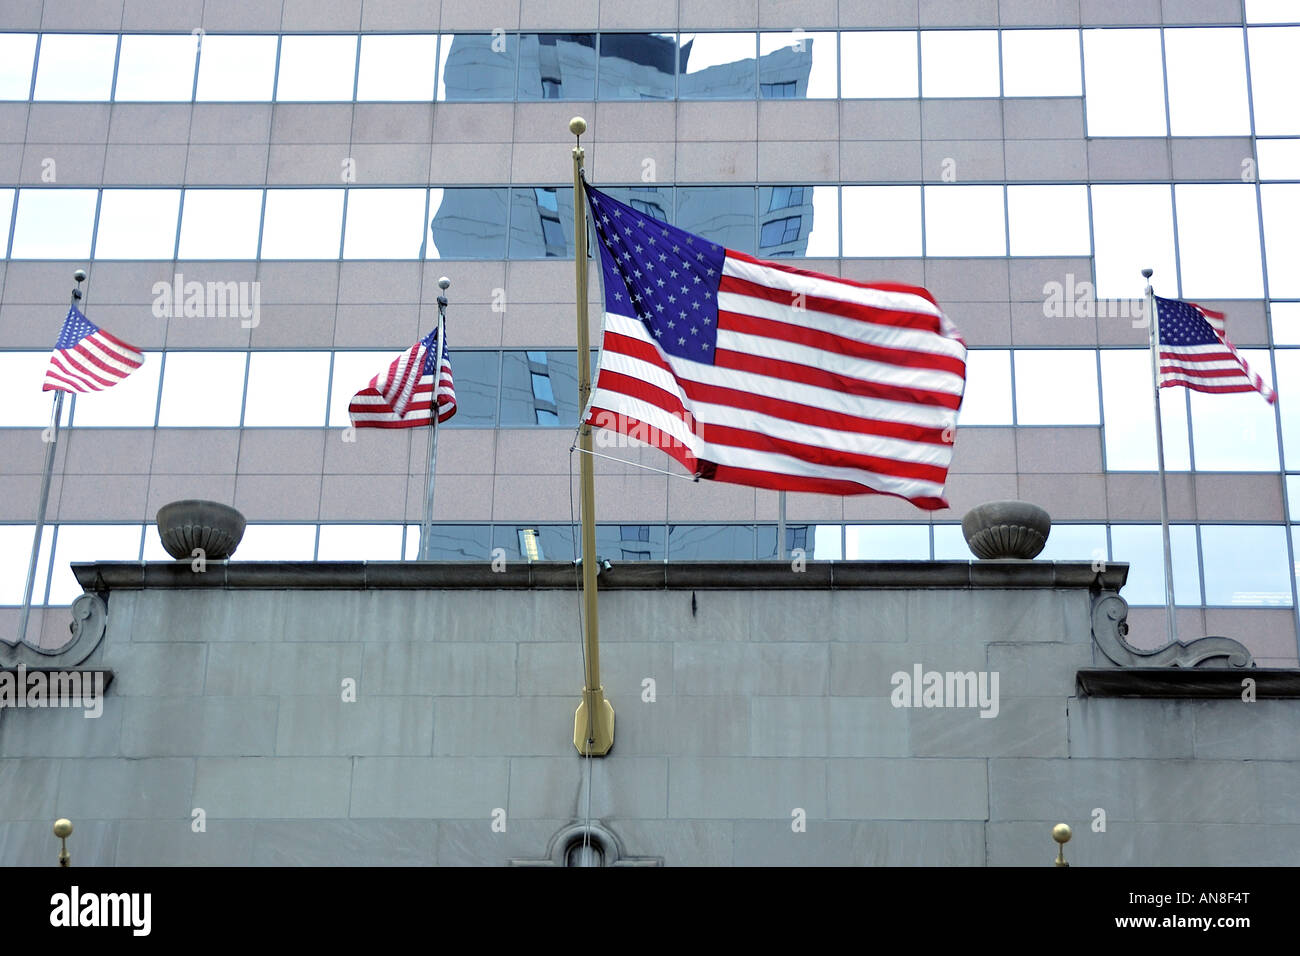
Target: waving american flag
(401, 396)
(1195, 352)
(88, 359)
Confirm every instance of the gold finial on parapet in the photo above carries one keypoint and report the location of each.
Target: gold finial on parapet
(1061, 833)
(63, 830)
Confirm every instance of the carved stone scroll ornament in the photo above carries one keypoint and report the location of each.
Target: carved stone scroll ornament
(89, 619)
(1110, 627)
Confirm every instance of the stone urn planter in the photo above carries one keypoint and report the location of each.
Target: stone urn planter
(194, 523)
(1006, 529)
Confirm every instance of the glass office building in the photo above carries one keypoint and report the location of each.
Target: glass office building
(265, 197)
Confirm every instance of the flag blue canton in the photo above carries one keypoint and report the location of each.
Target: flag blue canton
(75, 328)
(1181, 324)
(430, 343)
(664, 276)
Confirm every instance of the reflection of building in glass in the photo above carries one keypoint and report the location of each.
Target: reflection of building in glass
(783, 74)
(785, 220)
(466, 224)
(637, 66)
(557, 66)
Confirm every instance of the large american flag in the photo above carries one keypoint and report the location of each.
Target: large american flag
(761, 374)
(1195, 352)
(88, 359)
(401, 396)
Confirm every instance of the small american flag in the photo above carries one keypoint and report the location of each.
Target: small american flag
(1195, 352)
(400, 397)
(761, 374)
(88, 359)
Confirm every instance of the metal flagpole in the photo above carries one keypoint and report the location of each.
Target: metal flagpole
(53, 436)
(780, 525)
(431, 458)
(593, 724)
(1153, 320)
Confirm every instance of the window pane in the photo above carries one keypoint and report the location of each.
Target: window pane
(959, 63)
(384, 224)
(1075, 542)
(965, 221)
(878, 65)
(1281, 238)
(1246, 565)
(534, 542)
(277, 542)
(798, 221)
(1288, 372)
(397, 68)
(237, 68)
(1207, 82)
(6, 217)
(1286, 323)
(17, 51)
(477, 66)
(1293, 497)
(76, 66)
(867, 206)
(1128, 412)
(89, 542)
(797, 66)
(1236, 431)
(1041, 63)
(655, 201)
(721, 214)
(137, 224)
(1270, 11)
(452, 542)
(1133, 229)
(467, 223)
(202, 389)
(717, 66)
(287, 389)
(628, 542)
(1218, 241)
(887, 542)
(1142, 547)
(710, 542)
(15, 553)
(220, 223)
(302, 224)
(156, 68)
(477, 374)
(54, 224)
(541, 223)
(22, 403)
(988, 388)
(316, 68)
(539, 388)
(637, 66)
(1049, 220)
(950, 544)
(360, 542)
(1124, 83)
(131, 403)
(557, 66)
(1056, 386)
(1274, 78)
(1278, 158)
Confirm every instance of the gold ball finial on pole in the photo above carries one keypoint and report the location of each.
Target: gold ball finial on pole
(63, 830)
(577, 126)
(1061, 833)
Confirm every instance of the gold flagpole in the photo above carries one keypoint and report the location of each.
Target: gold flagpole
(593, 724)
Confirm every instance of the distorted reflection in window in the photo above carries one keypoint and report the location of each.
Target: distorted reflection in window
(537, 542)
(287, 389)
(1128, 413)
(359, 542)
(1278, 158)
(797, 66)
(202, 389)
(878, 65)
(220, 224)
(541, 223)
(1218, 241)
(17, 53)
(654, 201)
(1207, 82)
(467, 223)
(477, 66)
(131, 403)
(53, 224)
(628, 542)
(717, 66)
(987, 400)
(1236, 431)
(1049, 220)
(721, 214)
(384, 224)
(451, 542)
(1133, 229)
(1281, 203)
(637, 66)
(965, 221)
(1124, 77)
(709, 542)
(302, 224)
(237, 69)
(798, 221)
(277, 542)
(822, 542)
(477, 374)
(866, 208)
(539, 388)
(1245, 565)
(316, 68)
(1056, 386)
(89, 542)
(1274, 78)
(156, 68)
(956, 63)
(1041, 63)
(887, 542)
(397, 68)
(137, 224)
(1142, 547)
(557, 66)
(75, 66)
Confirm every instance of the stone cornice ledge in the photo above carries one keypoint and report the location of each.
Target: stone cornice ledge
(1208, 683)
(105, 576)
